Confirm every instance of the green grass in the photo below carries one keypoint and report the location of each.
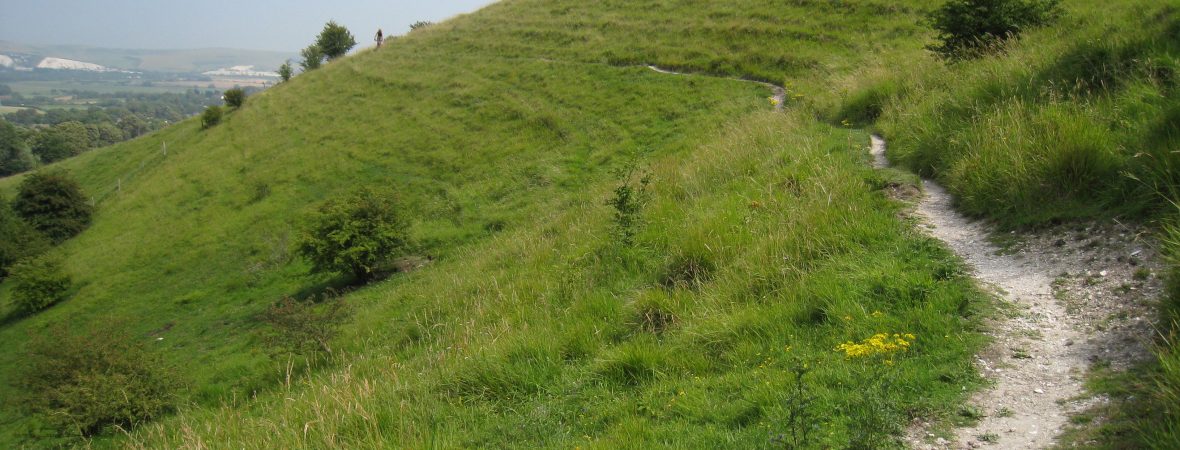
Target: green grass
(1074, 121)
(1077, 121)
(534, 327)
(542, 336)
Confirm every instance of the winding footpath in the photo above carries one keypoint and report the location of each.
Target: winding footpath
(1041, 349)
(1064, 305)
(778, 96)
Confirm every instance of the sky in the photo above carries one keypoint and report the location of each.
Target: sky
(282, 25)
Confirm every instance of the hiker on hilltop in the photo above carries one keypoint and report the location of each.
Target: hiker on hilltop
(379, 38)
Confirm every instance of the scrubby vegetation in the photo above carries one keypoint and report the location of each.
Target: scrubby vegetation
(753, 285)
(357, 234)
(53, 202)
(285, 71)
(970, 28)
(234, 97)
(20, 241)
(38, 283)
(81, 383)
(212, 116)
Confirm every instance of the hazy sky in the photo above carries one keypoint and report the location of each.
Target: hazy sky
(285, 25)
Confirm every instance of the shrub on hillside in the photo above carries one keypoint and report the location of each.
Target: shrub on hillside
(313, 57)
(20, 240)
(53, 203)
(335, 40)
(628, 200)
(420, 25)
(285, 71)
(81, 384)
(969, 28)
(234, 97)
(303, 328)
(356, 234)
(38, 283)
(211, 116)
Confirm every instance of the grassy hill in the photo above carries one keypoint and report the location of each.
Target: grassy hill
(766, 243)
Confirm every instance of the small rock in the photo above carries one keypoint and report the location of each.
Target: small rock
(1102, 273)
(1039, 391)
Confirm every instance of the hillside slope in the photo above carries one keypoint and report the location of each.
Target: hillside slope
(500, 131)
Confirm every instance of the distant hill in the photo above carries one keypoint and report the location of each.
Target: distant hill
(186, 60)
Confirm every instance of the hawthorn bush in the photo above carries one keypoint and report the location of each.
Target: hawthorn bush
(82, 384)
(356, 234)
(234, 97)
(38, 284)
(53, 203)
(211, 116)
(970, 28)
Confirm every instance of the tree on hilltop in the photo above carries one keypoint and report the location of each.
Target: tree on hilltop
(285, 71)
(313, 56)
(335, 40)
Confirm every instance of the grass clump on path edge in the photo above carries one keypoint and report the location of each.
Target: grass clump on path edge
(544, 336)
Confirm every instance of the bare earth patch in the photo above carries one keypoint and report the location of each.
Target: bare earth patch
(1071, 297)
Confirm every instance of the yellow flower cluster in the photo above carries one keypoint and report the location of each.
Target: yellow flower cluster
(878, 344)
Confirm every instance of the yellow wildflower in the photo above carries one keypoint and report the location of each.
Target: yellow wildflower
(877, 344)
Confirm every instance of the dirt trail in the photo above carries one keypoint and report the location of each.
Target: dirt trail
(1058, 301)
(779, 94)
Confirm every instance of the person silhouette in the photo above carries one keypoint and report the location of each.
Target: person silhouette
(379, 38)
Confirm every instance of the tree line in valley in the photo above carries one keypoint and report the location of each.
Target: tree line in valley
(31, 137)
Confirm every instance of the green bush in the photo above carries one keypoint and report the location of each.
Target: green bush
(38, 284)
(356, 234)
(20, 240)
(313, 57)
(81, 384)
(969, 28)
(211, 116)
(53, 203)
(335, 40)
(285, 71)
(234, 97)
